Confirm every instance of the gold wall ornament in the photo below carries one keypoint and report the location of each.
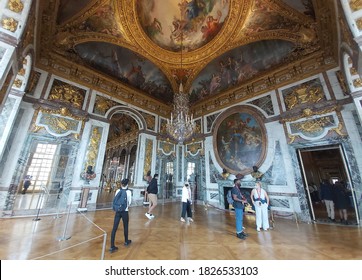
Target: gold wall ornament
(308, 112)
(304, 93)
(359, 23)
(338, 129)
(9, 24)
(355, 5)
(342, 82)
(166, 147)
(21, 72)
(353, 71)
(357, 83)
(58, 125)
(18, 83)
(194, 148)
(68, 94)
(63, 111)
(291, 138)
(148, 156)
(93, 147)
(103, 104)
(312, 126)
(16, 6)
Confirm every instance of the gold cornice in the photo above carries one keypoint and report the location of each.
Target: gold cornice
(71, 71)
(293, 72)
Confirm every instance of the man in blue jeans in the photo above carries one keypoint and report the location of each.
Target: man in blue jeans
(238, 204)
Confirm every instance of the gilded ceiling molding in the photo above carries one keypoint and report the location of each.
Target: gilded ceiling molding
(314, 64)
(328, 39)
(193, 61)
(77, 73)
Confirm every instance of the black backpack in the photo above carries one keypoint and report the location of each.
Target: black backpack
(120, 201)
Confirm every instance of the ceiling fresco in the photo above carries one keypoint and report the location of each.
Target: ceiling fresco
(126, 66)
(196, 22)
(135, 46)
(238, 65)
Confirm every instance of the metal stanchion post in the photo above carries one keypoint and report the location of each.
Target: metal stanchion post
(40, 201)
(62, 238)
(104, 245)
(58, 210)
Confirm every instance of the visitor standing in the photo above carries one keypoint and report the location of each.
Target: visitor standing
(238, 204)
(121, 213)
(186, 203)
(152, 191)
(260, 200)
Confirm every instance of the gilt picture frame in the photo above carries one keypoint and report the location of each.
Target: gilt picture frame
(239, 139)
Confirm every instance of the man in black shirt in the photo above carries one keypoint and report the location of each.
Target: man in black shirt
(152, 191)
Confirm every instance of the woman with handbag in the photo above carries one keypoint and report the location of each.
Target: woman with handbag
(260, 200)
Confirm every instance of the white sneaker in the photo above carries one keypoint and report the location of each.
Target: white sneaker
(182, 220)
(191, 220)
(152, 216)
(148, 216)
(257, 229)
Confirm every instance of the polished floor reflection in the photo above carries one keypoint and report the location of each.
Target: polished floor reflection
(212, 236)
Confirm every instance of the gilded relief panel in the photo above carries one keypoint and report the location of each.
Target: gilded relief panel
(102, 105)
(93, 147)
(148, 156)
(67, 94)
(316, 127)
(58, 123)
(310, 92)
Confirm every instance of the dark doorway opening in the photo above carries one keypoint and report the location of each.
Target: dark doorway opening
(327, 163)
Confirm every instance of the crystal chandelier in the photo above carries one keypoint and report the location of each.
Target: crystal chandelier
(181, 126)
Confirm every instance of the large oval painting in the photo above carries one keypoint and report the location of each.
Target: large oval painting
(240, 140)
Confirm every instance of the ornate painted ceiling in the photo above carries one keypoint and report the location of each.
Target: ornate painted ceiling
(142, 50)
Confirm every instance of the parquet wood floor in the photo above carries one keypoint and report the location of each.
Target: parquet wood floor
(82, 236)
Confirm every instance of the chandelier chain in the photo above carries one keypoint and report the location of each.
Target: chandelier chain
(181, 125)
